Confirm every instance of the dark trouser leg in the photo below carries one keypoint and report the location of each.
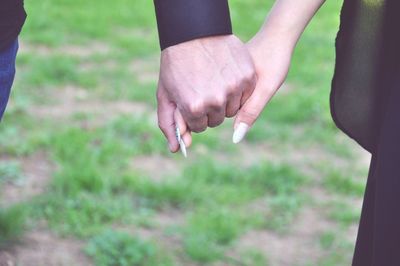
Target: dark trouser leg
(378, 242)
(363, 250)
(7, 72)
(387, 196)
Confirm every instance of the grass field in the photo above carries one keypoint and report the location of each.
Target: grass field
(86, 178)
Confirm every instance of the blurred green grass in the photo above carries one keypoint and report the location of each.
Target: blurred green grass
(84, 56)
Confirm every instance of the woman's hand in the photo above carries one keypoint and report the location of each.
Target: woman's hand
(271, 50)
(271, 57)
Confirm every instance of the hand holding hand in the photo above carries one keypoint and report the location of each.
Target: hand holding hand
(202, 82)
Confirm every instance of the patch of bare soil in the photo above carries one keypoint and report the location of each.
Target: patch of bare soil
(36, 171)
(301, 244)
(143, 33)
(72, 100)
(6, 259)
(145, 69)
(161, 221)
(42, 247)
(253, 154)
(105, 65)
(297, 247)
(169, 218)
(159, 231)
(71, 50)
(156, 167)
(364, 157)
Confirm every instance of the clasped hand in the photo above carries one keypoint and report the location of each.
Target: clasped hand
(204, 81)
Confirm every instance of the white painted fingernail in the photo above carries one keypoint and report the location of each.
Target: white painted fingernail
(240, 132)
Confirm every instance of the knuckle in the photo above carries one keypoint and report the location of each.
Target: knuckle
(195, 109)
(233, 87)
(250, 114)
(254, 80)
(216, 123)
(198, 129)
(219, 100)
(249, 74)
(231, 91)
(162, 126)
(251, 83)
(231, 113)
(158, 95)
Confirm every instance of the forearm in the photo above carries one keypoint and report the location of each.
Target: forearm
(271, 50)
(287, 21)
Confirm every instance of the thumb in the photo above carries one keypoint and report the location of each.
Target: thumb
(250, 111)
(166, 121)
(183, 128)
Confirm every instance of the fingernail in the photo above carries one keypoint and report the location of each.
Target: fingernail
(240, 132)
(170, 146)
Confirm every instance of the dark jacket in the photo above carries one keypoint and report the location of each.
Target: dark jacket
(12, 17)
(183, 20)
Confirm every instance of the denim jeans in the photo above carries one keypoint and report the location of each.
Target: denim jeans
(7, 73)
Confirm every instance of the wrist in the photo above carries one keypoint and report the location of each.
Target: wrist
(264, 44)
(279, 35)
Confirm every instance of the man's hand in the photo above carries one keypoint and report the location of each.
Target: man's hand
(202, 82)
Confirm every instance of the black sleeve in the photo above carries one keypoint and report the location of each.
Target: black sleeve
(184, 20)
(12, 17)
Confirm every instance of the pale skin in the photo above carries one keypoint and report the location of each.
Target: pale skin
(271, 51)
(202, 82)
